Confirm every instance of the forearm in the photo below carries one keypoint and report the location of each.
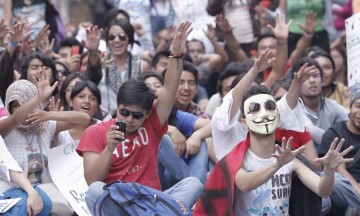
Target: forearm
(234, 47)
(22, 181)
(292, 96)
(93, 69)
(248, 181)
(99, 168)
(279, 67)
(301, 46)
(72, 117)
(219, 50)
(204, 132)
(326, 183)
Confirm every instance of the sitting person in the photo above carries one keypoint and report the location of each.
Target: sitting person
(14, 184)
(255, 177)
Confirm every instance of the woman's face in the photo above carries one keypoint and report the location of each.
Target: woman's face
(154, 84)
(85, 102)
(338, 60)
(69, 89)
(328, 70)
(61, 78)
(117, 40)
(35, 66)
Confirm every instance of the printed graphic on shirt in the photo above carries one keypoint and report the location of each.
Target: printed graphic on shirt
(35, 167)
(128, 146)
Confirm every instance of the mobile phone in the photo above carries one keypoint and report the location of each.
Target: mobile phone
(75, 50)
(121, 127)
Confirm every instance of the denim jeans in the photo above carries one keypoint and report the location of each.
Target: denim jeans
(343, 194)
(187, 191)
(173, 168)
(20, 208)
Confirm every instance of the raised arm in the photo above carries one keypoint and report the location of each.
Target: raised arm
(305, 72)
(261, 63)
(281, 32)
(93, 70)
(20, 115)
(166, 97)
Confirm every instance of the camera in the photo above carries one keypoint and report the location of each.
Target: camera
(121, 127)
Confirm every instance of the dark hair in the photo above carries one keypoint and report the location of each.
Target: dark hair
(297, 65)
(68, 79)
(111, 15)
(195, 40)
(192, 69)
(69, 42)
(310, 50)
(126, 26)
(155, 60)
(79, 86)
(46, 60)
(143, 76)
(323, 53)
(137, 93)
(263, 36)
(282, 83)
(66, 69)
(254, 90)
(234, 69)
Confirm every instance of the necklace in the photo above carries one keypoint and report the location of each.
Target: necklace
(29, 143)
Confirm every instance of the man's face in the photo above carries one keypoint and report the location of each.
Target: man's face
(328, 70)
(35, 66)
(261, 114)
(64, 53)
(132, 115)
(354, 114)
(162, 64)
(268, 43)
(195, 50)
(186, 91)
(155, 84)
(312, 87)
(225, 85)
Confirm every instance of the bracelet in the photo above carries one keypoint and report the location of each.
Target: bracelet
(282, 42)
(176, 56)
(308, 35)
(12, 44)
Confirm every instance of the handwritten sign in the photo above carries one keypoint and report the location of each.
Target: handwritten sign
(352, 25)
(6, 204)
(67, 172)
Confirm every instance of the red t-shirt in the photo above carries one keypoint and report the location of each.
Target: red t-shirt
(134, 160)
(299, 138)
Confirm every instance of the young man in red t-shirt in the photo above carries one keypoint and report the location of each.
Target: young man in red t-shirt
(135, 159)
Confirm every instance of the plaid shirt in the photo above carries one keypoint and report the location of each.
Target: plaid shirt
(196, 110)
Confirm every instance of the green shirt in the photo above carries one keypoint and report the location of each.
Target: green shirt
(297, 10)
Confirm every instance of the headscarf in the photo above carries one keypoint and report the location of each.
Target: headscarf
(23, 91)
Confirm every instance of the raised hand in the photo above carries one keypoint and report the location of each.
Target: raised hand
(334, 157)
(19, 33)
(48, 48)
(179, 41)
(310, 23)
(138, 28)
(43, 85)
(27, 46)
(223, 24)
(93, 36)
(210, 32)
(55, 105)
(105, 61)
(305, 73)
(285, 155)
(264, 61)
(281, 29)
(112, 137)
(42, 36)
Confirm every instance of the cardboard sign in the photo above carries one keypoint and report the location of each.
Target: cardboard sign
(352, 25)
(67, 172)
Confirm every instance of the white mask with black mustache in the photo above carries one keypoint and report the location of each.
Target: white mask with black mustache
(261, 114)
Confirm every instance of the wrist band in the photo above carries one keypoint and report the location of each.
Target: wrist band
(12, 44)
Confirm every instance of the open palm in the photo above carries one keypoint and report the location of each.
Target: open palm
(179, 41)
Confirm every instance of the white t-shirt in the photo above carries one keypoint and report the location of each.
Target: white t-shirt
(66, 138)
(271, 198)
(228, 132)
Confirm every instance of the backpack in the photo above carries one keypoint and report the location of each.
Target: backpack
(135, 199)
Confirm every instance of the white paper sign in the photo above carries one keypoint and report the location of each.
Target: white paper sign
(6, 204)
(67, 172)
(352, 25)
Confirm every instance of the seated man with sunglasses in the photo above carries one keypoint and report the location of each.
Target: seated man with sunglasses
(106, 159)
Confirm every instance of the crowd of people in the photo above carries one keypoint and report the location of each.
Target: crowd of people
(232, 107)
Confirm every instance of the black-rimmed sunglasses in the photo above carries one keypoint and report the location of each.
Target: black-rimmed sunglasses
(255, 107)
(135, 115)
(122, 36)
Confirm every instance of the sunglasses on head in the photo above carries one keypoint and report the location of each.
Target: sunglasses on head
(135, 115)
(122, 36)
(255, 107)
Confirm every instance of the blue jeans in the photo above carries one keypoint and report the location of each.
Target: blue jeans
(343, 194)
(187, 191)
(20, 208)
(173, 168)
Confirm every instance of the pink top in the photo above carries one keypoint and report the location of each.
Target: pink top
(3, 112)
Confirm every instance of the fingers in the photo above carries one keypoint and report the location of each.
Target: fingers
(289, 142)
(333, 144)
(346, 151)
(187, 152)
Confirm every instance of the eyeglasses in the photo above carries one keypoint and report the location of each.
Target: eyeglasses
(122, 36)
(135, 115)
(255, 107)
(63, 72)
